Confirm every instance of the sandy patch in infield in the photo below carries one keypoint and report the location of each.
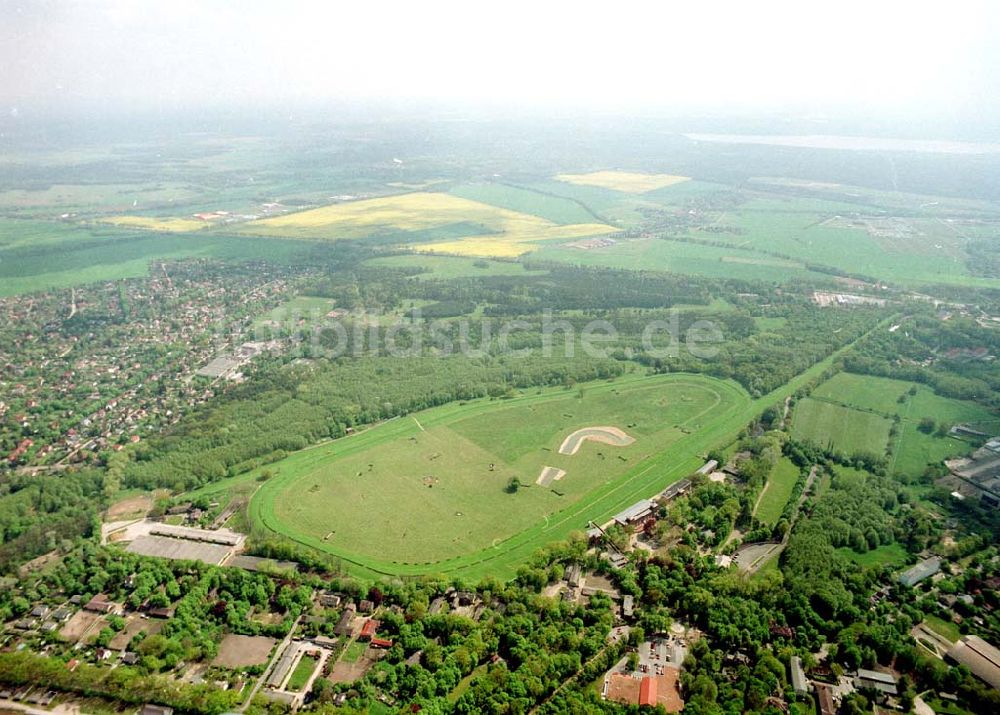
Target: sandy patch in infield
(604, 434)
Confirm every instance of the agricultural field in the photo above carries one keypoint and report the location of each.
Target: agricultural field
(842, 428)
(57, 199)
(41, 255)
(866, 392)
(421, 220)
(684, 257)
(523, 200)
(625, 181)
(433, 489)
(151, 223)
(445, 267)
(768, 236)
(776, 493)
(912, 450)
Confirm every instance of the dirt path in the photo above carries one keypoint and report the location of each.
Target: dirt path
(571, 678)
(788, 408)
(760, 496)
(61, 709)
(776, 550)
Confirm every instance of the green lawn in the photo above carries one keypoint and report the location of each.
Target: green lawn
(465, 682)
(779, 487)
(842, 428)
(354, 651)
(943, 628)
(849, 477)
(765, 324)
(301, 307)
(914, 450)
(887, 555)
(303, 671)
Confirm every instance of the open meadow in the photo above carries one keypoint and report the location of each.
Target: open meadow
(776, 493)
(841, 428)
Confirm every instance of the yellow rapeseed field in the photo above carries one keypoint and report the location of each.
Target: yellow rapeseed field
(511, 245)
(150, 223)
(629, 182)
(504, 233)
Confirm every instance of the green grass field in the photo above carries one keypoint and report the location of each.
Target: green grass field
(943, 628)
(880, 394)
(354, 651)
(421, 489)
(777, 492)
(682, 257)
(844, 429)
(912, 450)
(887, 555)
(554, 208)
(303, 671)
(444, 267)
(301, 307)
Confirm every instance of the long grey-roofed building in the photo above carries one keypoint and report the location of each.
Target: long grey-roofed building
(874, 680)
(167, 547)
(637, 512)
(925, 569)
(799, 682)
(284, 666)
(982, 658)
(675, 489)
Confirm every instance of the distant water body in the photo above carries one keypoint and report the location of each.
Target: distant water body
(826, 141)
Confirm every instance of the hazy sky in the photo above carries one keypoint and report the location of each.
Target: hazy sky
(880, 55)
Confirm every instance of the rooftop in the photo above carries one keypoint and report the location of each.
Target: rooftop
(982, 658)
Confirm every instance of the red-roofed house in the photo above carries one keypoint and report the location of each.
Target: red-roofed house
(368, 630)
(647, 691)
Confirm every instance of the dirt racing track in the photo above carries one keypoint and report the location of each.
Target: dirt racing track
(605, 435)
